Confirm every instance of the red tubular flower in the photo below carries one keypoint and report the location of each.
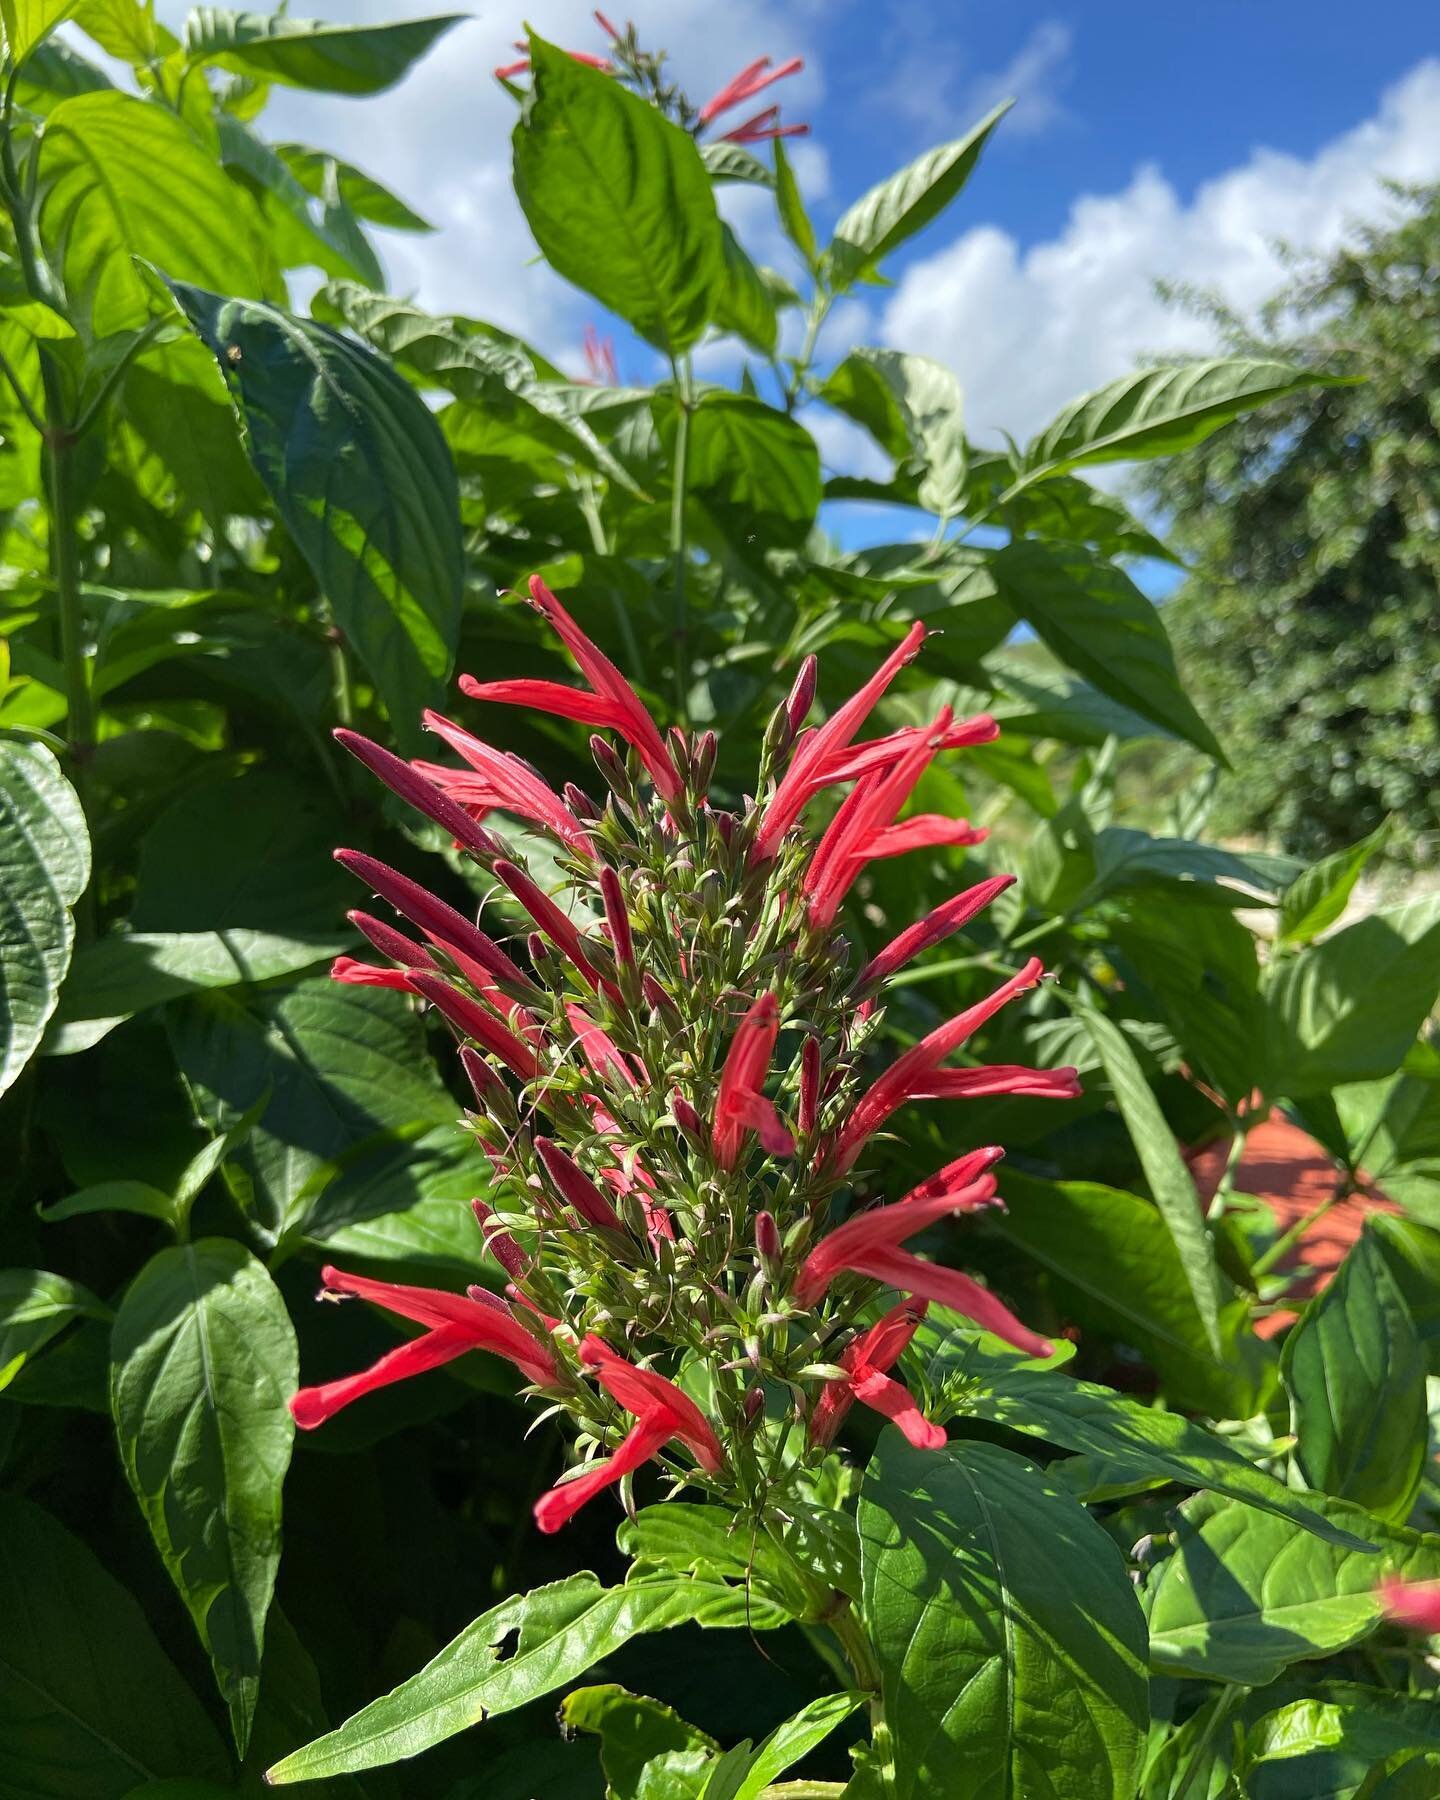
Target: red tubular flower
(575, 1187)
(662, 1412)
(892, 1089)
(390, 942)
(507, 71)
(1413, 1604)
(925, 831)
(472, 1019)
(440, 923)
(883, 1227)
(599, 1049)
(805, 775)
(933, 929)
(740, 1104)
(502, 780)
(808, 1110)
(866, 1362)
(862, 822)
(881, 753)
(617, 916)
(614, 704)
(456, 1323)
(557, 926)
(751, 80)
(359, 974)
(992, 1079)
(410, 783)
(764, 126)
(498, 1241)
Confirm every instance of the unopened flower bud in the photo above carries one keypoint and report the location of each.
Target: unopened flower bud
(661, 1002)
(617, 916)
(725, 825)
(767, 1237)
(802, 694)
(613, 771)
(809, 1107)
(691, 1125)
(753, 1404)
(579, 802)
(703, 762)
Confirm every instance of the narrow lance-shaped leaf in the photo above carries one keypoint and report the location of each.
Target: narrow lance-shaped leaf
(563, 1629)
(309, 53)
(360, 473)
(44, 869)
(1159, 412)
(904, 203)
(1315, 900)
(36, 1306)
(203, 1363)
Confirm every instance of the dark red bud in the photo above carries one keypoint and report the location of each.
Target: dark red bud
(802, 694)
(767, 1237)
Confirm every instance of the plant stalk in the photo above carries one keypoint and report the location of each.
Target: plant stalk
(1220, 1712)
(677, 544)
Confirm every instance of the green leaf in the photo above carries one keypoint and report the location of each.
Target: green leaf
(308, 53)
(126, 29)
(112, 1196)
(90, 1706)
(343, 1065)
(744, 304)
(563, 1629)
(332, 241)
(360, 473)
(794, 219)
(1172, 1187)
(733, 162)
(1412, 1255)
(914, 409)
(35, 1307)
(1159, 412)
(404, 1199)
(317, 171)
(906, 202)
(1324, 1749)
(29, 22)
(119, 179)
(618, 199)
(633, 1731)
(1122, 1440)
(1348, 1009)
(1245, 1594)
(1127, 859)
(1048, 702)
(1355, 1371)
(1116, 1270)
(797, 1737)
(1316, 899)
(754, 467)
(44, 869)
(1010, 1642)
(202, 1364)
(128, 972)
(1095, 619)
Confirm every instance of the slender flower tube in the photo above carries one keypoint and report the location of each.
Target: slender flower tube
(992, 1079)
(803, 778)
(411, 783)
(867, 1362)
(894, 1087)
(881, 753)
(575, 1187)
(472, 1019)
(1413, 1604)
(740, 1104)
(499, 779)
(556, 924)
(498, 1241)
(934, 928)
(751, 80)
(360, 974)
(762, 128)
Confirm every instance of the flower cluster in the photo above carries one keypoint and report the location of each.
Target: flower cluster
(630, 62)
(670, 1068)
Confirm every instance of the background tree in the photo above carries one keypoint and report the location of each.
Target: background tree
(1308, 628)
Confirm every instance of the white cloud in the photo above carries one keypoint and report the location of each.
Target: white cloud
(928, 86)
(441, 139)
(1032, 78)
(1027, 331)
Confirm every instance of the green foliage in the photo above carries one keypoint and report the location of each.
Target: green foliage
(1308, 529)
(229, 527)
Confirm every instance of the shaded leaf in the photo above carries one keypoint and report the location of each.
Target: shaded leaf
(1315, 899)
(34, 1307)
(308, 53)
(913, 407)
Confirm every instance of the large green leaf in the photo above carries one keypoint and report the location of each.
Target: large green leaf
(1122, 1440)
(403, 1199)
(1010, 1642)
(343, 1066)
(44, 869)
(34, 1307)
(90, 1706)
(360, 473)
(634, 1732)
(755, 468)
(745, 303)
(1095, 619)
(1327, 1749)
(1159, 412)
(1315, 899)
(308, 53)
(29, 22)
(905, 202)
(1115, 1269)
(202, 1363)
(1348, 1009)
(1246, 1594)
(560, 1631)
(618, 199)
(1355, 1371)
(914, 409)
(1126, 859)
(121, 179)
(317, 171)
(1412, 1255)
(1172, 1187)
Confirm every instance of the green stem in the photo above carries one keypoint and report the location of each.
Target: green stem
(27, 405)
(1288, 1239)
(138, 343)
(1227, 1177)
(849, 1633)
(1219, 1713)
(677, 543)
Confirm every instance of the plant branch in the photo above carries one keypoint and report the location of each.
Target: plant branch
(1219, 1713)
(27, 405)
(139, 343)
(677, 538)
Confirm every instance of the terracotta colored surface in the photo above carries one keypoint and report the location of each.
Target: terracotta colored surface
(1287, 1169)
